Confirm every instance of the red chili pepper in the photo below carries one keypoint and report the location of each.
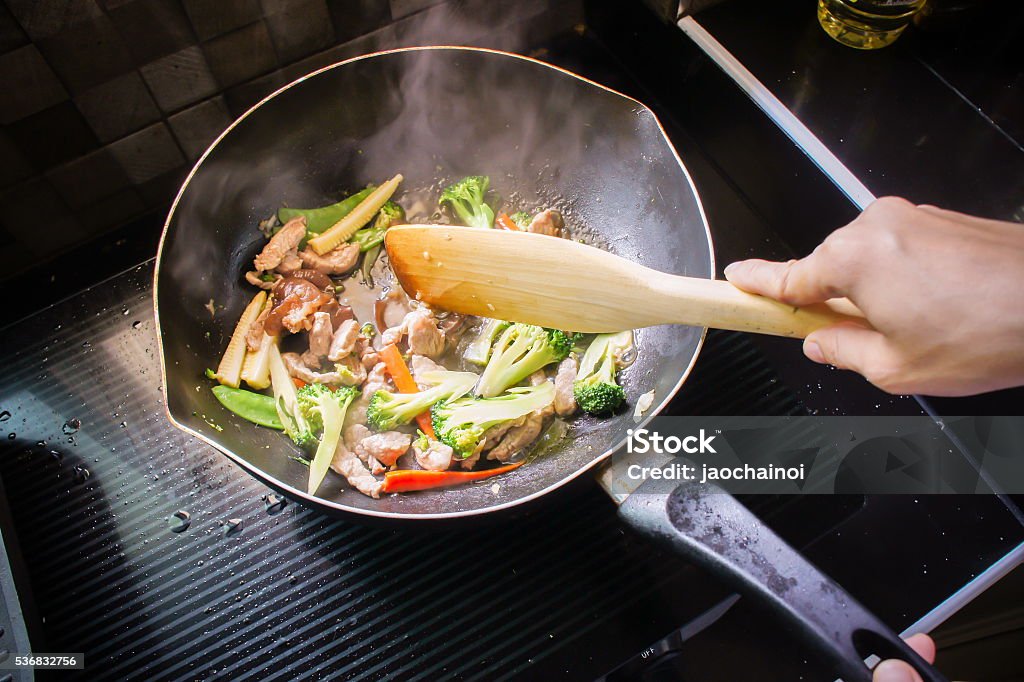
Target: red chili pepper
(408, 480)
(507, 222)
(299, 383)
(404, 382)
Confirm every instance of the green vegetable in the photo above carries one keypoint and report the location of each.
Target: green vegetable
(324, 412)
(520, 351)
(479, 350)
(388, 410)
(462, 423)
(369, 237)
(210, 374)
(366, 269)
(595, 389)
(368, 331)
(254, 407)
(286, 401)
(319, 219)
(357, 218)
(522, 219)
(466, 199)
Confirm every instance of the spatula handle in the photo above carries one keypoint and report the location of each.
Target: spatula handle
(720, 305)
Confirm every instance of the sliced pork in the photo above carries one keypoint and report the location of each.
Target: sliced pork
(337, 261)
(286, 239)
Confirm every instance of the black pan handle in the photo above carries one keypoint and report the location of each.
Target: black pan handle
(715, 531)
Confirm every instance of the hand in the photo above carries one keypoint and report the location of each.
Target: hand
(898, 671)
(943, 291)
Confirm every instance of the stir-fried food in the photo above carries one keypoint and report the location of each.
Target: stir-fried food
(393, 395)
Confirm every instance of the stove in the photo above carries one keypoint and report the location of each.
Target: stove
(257, 587)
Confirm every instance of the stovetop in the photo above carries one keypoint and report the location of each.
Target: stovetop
(94, 474)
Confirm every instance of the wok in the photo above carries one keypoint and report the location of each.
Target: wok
(542, 134)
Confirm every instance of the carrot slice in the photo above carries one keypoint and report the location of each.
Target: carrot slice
(408, 480)
(404, 382)
(507, 223)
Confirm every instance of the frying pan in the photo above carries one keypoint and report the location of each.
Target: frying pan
(546, 137)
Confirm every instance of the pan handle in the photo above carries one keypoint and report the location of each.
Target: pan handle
(715, 531)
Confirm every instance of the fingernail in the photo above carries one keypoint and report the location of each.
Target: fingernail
(813, 351)
(893, 671)
(731, 267)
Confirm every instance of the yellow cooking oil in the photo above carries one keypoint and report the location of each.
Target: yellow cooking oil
(866, 24)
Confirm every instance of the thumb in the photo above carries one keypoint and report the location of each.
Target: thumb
(850, 346)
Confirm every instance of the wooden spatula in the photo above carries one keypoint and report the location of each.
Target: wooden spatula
(562, 284)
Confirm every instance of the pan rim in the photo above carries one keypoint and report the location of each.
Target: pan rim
(336, 507)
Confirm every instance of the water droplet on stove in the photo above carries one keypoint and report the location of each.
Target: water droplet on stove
(124, 425)
(292, 579)
(136, 324)
(85, 344)
(231, 526)
(200, 562)
(59, 456)
(4, 416)
(71, 426)
(81, 474)
(275, 504)
(179, 521)
(12, 435)
(125, 311)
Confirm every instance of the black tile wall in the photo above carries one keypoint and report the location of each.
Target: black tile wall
(11, 33)
(241, 55)
(53, 135)
(211, 19)
(152, 28)
(86, 53)
(108, 103)
(196, 127)
(179, 79)
(28, 83)
(298, 27)
(118, 106)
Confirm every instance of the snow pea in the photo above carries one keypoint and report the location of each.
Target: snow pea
(254, 407)
(319, 219)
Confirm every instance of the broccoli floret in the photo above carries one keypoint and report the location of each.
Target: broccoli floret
(310, 399)
(372, 235)
(324, 412)
(479, 350)
(461, 423)
(388, 410)
(522, 219)
(466, 198)
(595, 389)
(389, 214)
(520, 351)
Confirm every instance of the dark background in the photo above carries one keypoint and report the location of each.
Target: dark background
(108, 103)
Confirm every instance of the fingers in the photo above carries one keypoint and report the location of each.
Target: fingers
(898, 671)
(894, 671)
(797, 282)
(851, 346)
(923, 645)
